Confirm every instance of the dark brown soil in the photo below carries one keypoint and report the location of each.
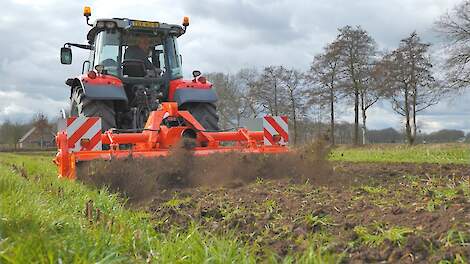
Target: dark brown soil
(277, 215)
(287, 204)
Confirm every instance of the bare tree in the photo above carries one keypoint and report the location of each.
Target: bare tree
(41, 122)
(293, 82)
(371, 91)
(11, 132)
(248, 82)
(410, 81)
(325, 75)
(357, 49)
(230, 101)
(455, 28)
(235, 92)
(269, 93)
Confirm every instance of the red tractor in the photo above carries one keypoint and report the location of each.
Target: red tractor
(132, 102)
(133, 67)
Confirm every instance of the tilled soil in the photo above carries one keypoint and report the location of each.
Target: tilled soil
(430, 202)
(283, 205)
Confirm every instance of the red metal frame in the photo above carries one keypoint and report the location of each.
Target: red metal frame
(101, 79)
(105, 79)
(184, 84)
(157, 139)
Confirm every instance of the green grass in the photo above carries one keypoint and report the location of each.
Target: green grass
(377, 235)
(436, 153)
(373, 190)
(43, 220)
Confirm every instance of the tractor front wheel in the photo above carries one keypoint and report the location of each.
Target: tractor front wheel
(80, 105)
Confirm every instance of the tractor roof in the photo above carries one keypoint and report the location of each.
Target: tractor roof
(140, 26)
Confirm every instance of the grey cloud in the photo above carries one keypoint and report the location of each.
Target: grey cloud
(265, 21)
(17, 106)
(29, 56)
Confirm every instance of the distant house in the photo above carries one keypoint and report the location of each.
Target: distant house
(38, 137)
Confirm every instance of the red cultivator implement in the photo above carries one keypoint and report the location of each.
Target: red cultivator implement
(166, 127)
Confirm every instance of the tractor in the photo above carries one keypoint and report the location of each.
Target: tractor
(133, 67)
(131, 102)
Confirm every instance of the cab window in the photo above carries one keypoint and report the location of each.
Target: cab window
(107, 51)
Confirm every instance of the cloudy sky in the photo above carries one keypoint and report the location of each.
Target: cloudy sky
(224, 35)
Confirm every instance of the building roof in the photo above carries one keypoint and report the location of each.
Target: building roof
(31, 132)
(25, 136)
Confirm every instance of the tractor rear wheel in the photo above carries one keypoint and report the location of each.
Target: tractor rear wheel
(80, 105)
(205, 114)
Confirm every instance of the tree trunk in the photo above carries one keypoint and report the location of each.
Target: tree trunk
(294, 116)
(295, 128)
(275, 99)
(364, 128)
(414, 116)
(409, 136)
(414, 84)
(356, 116)
(332, 117)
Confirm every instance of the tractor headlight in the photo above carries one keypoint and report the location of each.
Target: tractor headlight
(110, 25)
(100, 24)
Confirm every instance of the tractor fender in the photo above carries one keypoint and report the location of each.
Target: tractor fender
(100, 88)
(195, 95)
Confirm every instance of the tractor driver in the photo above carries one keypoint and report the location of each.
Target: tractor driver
(141, 52)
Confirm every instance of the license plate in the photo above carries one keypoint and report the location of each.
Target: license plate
(144, 24)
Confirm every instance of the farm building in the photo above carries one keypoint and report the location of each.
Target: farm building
(38, 137)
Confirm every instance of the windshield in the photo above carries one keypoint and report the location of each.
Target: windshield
(174, 58)
(148, 48)
(107, 51)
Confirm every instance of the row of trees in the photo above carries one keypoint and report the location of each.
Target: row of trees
(11, 132)
(390, 135)
(351, 67)
(351, 72)
(250, 94)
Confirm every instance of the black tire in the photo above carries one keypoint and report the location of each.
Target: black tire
(205, 114)
(82, 106)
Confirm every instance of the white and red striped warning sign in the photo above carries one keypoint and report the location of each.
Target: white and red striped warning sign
(276, 130)
(84, 133)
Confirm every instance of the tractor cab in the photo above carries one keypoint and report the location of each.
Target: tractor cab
(131, 48)
(136, 52)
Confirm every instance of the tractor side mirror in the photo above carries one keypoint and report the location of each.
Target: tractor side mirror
(196, 73)
(66, 55)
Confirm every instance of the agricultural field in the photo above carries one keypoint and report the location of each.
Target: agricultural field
(386, 203)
